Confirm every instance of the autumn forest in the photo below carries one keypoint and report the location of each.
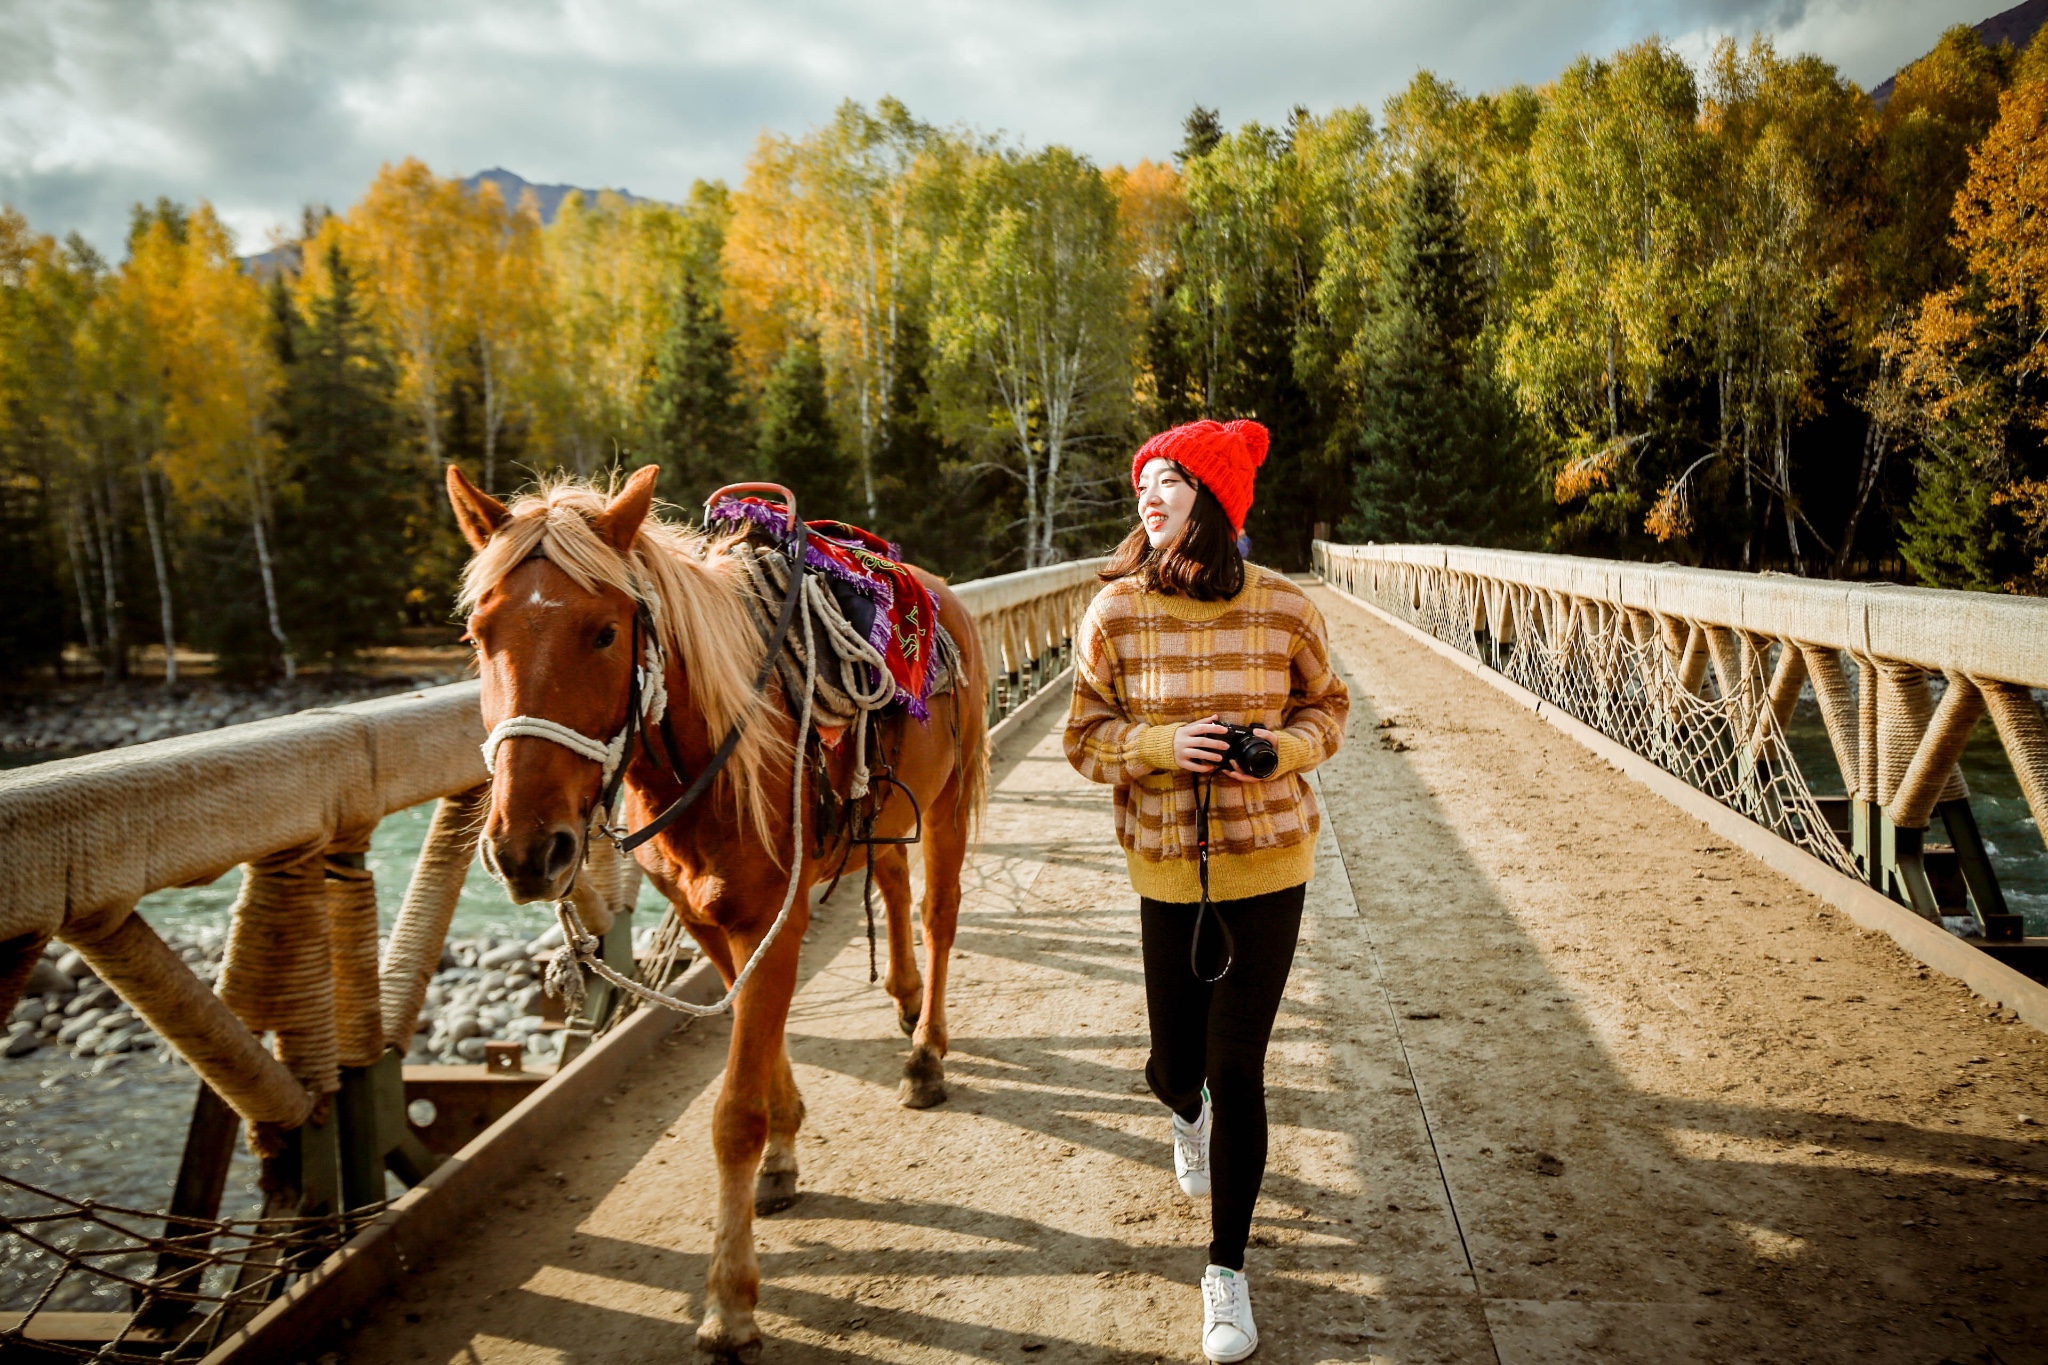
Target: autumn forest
(1734, 314)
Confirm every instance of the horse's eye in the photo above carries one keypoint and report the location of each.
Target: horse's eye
(606, 636)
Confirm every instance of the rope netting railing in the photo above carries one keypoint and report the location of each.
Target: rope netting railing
(1700, 671)
(300, 1044)
(93, 1281)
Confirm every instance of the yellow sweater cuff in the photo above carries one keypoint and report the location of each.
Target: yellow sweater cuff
(1155, 747)
(1294, 752)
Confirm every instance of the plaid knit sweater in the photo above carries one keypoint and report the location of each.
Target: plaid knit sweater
(1144, 666)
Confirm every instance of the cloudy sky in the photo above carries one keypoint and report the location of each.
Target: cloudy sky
(264, 105)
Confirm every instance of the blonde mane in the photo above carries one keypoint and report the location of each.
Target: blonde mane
(693, 587)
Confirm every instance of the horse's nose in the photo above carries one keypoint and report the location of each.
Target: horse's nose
(540, 868)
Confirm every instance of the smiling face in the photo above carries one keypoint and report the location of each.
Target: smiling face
(1166, 495)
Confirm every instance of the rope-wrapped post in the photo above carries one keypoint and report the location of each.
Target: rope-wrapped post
(1866, 729)
(1781, 696)
(2025, 737)
(155, 982)
(1837, 702)
(1933, 768)
(414, 952)
(352, 948)
(1905, 704)
(279, 973)
(1692, 662)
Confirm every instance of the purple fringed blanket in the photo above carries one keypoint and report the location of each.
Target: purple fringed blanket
(906, 614)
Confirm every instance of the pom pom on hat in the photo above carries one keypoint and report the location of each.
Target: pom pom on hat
(1223, 456)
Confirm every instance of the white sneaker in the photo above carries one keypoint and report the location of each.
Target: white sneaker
(1227, 1330)
(1191, 1151)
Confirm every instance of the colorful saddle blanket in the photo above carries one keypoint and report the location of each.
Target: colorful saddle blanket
(881, 597)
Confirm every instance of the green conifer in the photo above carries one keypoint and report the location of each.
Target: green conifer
(1444, 455)
(352, 499)
(797, 444)
(701, 429)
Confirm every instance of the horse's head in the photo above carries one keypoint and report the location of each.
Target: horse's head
(549, 648)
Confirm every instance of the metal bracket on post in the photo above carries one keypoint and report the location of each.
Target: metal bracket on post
(373, 1133)
(1987, 901)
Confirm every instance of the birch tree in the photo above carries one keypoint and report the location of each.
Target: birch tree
(833, 232)
(209, 337)
(1034, 325)
(410, 231)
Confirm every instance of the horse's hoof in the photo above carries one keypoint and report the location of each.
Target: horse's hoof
(774, 1191)
(924, 1080)
(907, 1021)
(721, 1347)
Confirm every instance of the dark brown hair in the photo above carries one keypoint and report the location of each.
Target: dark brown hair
(1201, 562)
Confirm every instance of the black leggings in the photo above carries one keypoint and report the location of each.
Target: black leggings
(1218, 1033)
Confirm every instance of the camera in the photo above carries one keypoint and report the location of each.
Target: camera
(1255, 757)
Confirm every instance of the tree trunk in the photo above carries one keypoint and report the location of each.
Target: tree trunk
(257, 518)
(490, 378)
(114, 663)
(163, 574)
(1876, 442)
(76, 544)
(1782, 453)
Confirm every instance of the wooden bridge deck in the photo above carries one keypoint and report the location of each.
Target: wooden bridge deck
(1567, 1078)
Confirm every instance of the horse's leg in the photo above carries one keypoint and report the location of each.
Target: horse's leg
(739, 1129)
(775, 1187)
(892, 875)
(945, 850)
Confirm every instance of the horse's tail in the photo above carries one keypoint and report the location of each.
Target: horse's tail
(970, 698)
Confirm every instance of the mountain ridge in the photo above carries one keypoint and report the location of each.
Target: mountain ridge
(513, 186)
(2017, 26)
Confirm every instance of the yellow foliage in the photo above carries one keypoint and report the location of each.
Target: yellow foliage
(2002, 214)
(1152, 209)
(1587, 473)
(208, 334)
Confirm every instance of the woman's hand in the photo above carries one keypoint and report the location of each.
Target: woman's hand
(1233, 774)
(1198, 746)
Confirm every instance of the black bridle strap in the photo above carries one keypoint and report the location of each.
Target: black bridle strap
(794, 548)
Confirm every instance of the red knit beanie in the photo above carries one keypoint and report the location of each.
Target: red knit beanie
(1223, 456)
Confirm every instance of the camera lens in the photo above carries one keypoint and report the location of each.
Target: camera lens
(1255, 757)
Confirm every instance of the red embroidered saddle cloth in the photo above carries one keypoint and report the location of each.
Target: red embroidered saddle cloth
(864, 571)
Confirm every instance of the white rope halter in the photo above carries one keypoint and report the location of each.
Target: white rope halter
(653, 706)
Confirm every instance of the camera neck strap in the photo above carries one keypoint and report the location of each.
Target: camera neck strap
(1204, 787)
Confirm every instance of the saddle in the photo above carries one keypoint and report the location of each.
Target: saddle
(882, 628)
(878, 601)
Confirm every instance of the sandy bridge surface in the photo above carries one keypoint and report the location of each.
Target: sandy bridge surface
(1560, 1076)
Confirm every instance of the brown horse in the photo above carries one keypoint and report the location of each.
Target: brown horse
(551, 593)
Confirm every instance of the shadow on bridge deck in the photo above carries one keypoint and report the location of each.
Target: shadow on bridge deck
(1574, 1081)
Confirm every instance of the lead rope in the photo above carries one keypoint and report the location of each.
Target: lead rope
(580, 947)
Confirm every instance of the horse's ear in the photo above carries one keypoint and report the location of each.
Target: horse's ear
(620, 520)
(476, 512)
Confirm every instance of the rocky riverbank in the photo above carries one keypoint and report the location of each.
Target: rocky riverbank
(86, 719)
(486, 990)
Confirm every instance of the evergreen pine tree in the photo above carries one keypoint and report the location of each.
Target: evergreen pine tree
(345, 557)
(698, 419)
(1201, 130)
(1445, 458)
(797, 444)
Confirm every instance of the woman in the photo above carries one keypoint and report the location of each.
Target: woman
(1185, 637)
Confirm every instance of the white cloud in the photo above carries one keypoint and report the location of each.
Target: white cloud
(264, 105)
